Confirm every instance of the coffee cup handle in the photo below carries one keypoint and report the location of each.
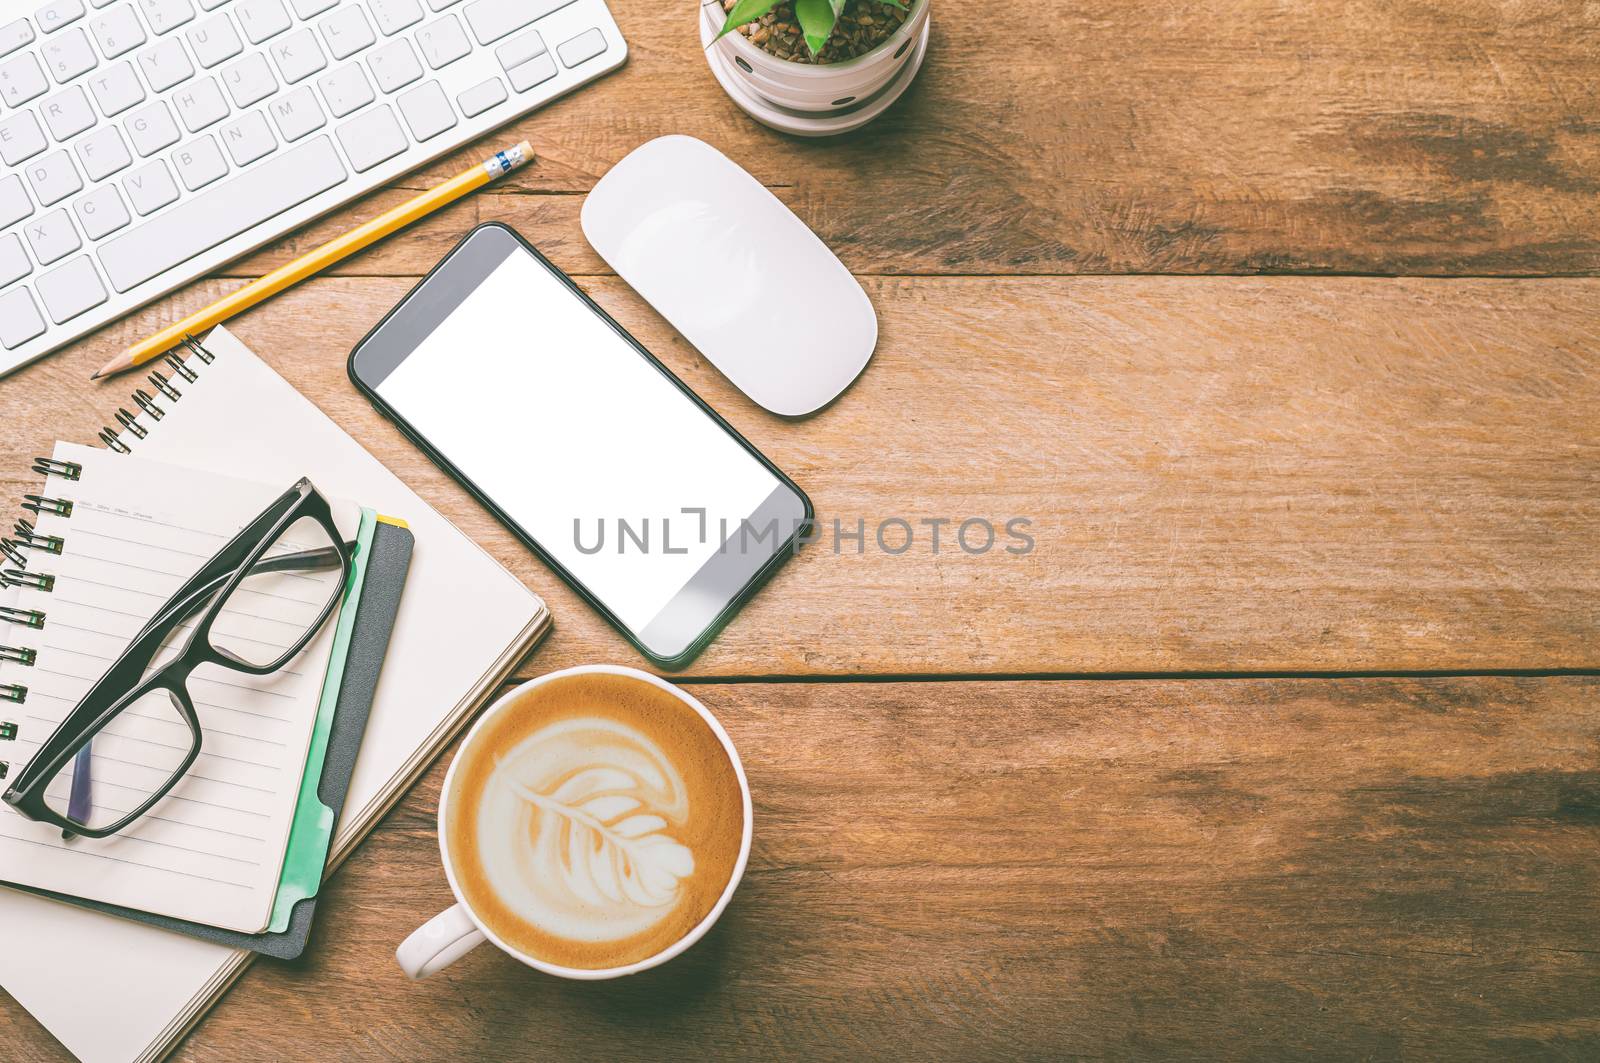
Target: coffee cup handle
(438, 943)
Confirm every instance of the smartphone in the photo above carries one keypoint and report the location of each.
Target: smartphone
(606, 465)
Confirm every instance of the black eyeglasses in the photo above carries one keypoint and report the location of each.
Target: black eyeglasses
(260, 573)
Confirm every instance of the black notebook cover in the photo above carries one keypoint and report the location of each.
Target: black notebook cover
(369, 642)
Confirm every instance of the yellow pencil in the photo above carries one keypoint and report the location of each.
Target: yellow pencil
(335, 250)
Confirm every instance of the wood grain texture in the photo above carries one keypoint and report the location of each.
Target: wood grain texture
(1219, 136)
(1375, 869)
(1308, 474)
(1222, 474)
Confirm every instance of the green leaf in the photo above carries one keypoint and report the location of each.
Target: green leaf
(745, 11)
(901, 4)
(816, 19)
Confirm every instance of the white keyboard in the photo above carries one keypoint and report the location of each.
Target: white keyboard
(147, 142)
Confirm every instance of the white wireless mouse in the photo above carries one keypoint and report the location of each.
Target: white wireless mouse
(735, 271)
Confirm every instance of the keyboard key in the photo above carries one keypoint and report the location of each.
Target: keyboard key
(296, 114)
(117, 32)
(520, 49)
(200, 104)
(262, 19)
(371, 138)
(582, 48)
(101, 212)
(150, 187)
(14, 35)
(199, 162)
(70, 290)
(53, 16)
(427, 111)
(14, 262)
(492, 19)
(116, 88)
(347, 31)
(21, 138)
(297, 56)
(204, 221)
(249, 80)
(67, 113)
(53, 177)
(165, 64)
(205, 5)
(52, 236)
(21, 79)
(19, 319)
(346, 90)
(305, 9)
(14, 202)
(248, 138)
(98, 4)
(395, 15)
(440, 5)
(480, 98)
(165, 16)
(443, 41)
(151, 129)
(68, 55)
(535, 71)
(214, 40)
(103, 153)
(395, 65)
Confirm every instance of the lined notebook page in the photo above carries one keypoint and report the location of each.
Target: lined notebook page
(212, 850)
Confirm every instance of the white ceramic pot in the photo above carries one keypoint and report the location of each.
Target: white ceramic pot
(818, 89)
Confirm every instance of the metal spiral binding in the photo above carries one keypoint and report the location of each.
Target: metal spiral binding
(198, 349)
(39, 581)
(67, 470)
(30, 539)
(25, 617)
(61, 507)
(159, 379)
(179, 367)
(26, 536)
(23, 655)
(8, 733)
(129, 421)
(148, 404)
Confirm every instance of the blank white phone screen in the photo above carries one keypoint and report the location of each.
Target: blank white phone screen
(558, 419)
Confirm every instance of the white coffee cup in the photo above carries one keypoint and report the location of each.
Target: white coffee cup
(458, 930)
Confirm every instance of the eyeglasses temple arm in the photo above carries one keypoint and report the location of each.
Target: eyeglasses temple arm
(304, 561)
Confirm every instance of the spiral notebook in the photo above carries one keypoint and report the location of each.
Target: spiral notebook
(122, 534)
(36, 664)
(112, 990)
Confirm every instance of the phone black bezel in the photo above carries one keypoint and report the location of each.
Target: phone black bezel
(785, 548)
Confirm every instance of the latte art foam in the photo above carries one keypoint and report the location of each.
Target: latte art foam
(594, 821)
(598, 802)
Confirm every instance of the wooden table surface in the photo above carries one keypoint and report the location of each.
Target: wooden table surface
(1280, 323)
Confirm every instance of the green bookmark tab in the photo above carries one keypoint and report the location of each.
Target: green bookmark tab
(312, 830)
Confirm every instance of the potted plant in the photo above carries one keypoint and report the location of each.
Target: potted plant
(815, 66)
